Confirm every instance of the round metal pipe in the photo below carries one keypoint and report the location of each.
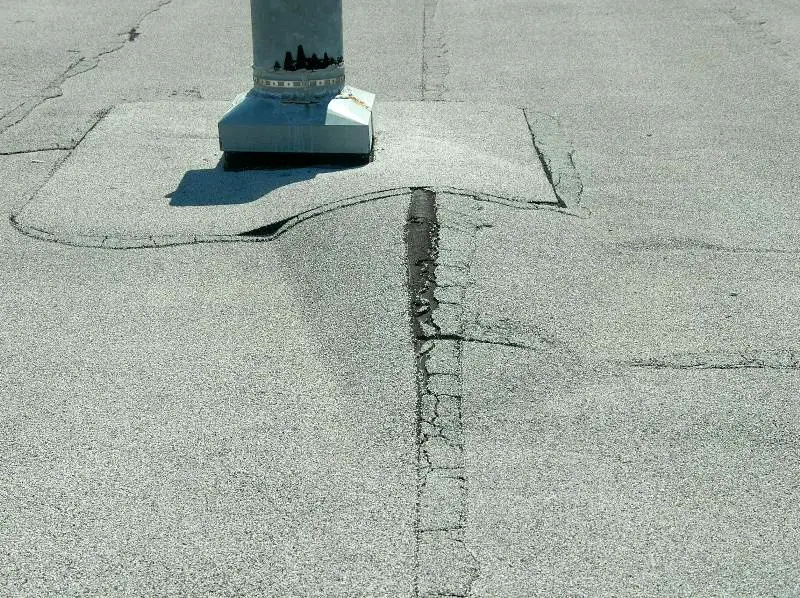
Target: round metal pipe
(298, 47)
(299, 105)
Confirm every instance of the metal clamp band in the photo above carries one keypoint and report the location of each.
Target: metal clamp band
(297, 83)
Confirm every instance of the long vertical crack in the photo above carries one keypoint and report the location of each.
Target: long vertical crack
(435, 66)
(444, 566)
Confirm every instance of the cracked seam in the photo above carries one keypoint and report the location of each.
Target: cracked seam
(788, 359)
(435, 66)
(259, 235)
(558, 161)
(443, 565)
(77, 67)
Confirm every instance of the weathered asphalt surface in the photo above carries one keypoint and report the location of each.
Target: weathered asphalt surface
(610, 406)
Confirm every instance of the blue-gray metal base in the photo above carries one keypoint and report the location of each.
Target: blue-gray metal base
(273, 124)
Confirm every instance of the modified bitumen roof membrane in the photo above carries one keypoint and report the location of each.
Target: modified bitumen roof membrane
(154, 170)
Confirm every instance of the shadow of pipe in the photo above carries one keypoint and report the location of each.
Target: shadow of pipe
(220, 187)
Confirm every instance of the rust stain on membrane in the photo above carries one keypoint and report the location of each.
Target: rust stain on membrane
(356, 100)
